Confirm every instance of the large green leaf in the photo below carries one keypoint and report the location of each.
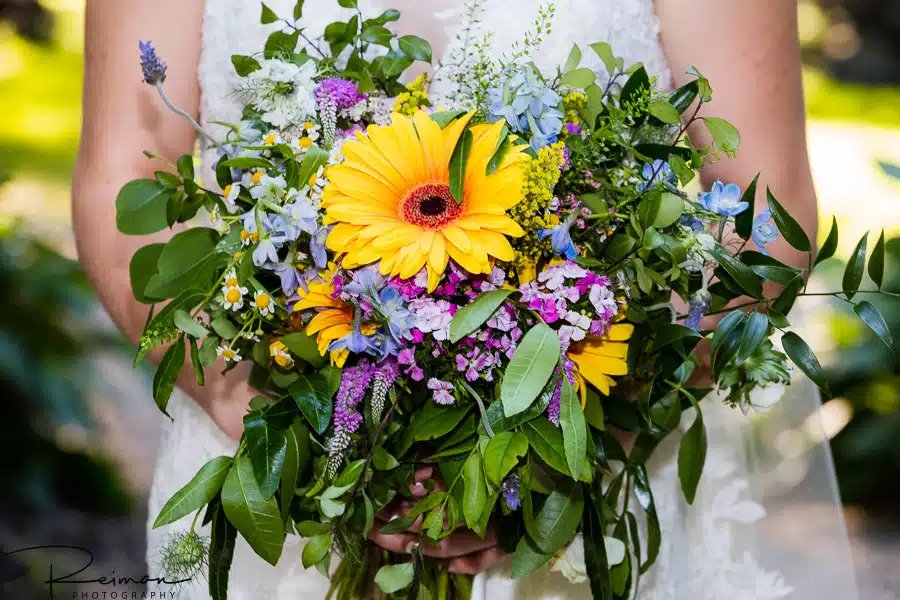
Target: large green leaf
(726, 135)
(595, 559)
(831, 243)
(141, 207)
(546, 439)
(475, 496)
(500, 422)
(305, 347)
(415, 47)
(800, 352)
(788, 226)
(268, 15)
(255, 517)
(559, 519)
(142, 269)
(267, 447)
(393, 578)
(295, 460)
(872, 317)
(573, 427)
(665, 112)
(458, 162)
(188, 260)
(167, 373)
(474, 315)
(692, 457)
(186, 323)
(742, 274)
(223, 537)
(433, 421)
(531, 366)
(315, 550)
(198, 492)
(315, 158)
(312, 395)
(743, 222)
(528, 558)
(578, 78)
(788, 296)
(502, 454)
(876, 262)
(853, 274)
(756, 330)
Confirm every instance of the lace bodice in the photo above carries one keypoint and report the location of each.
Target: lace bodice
(631, 27)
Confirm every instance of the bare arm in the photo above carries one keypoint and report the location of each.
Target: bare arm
(750, 53)
(122, 117)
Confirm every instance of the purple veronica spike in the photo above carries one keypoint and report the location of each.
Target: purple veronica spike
(510, 487)
(700, 304)
(154, 69)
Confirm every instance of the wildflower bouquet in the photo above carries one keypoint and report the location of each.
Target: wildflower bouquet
(485, 288)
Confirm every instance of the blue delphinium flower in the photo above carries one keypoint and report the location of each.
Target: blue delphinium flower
(692, 223)
(391, 308)
(317, 248)
(354, 341)
(724, 199)
(510, 487)
(528, 105)
(764, 231)
(561, 237)
(289, 275)
(153, 68)
(366, 282)
(657, 173)
(701, 302)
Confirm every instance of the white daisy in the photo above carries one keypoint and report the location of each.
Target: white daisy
(264, 303)
(233, 298)
(228, 353)
(230, 195)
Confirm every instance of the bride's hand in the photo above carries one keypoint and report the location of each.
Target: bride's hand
(466, 551)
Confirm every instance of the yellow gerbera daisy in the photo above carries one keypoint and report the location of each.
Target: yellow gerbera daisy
(334, 321)
(391, 199)
(599, 358)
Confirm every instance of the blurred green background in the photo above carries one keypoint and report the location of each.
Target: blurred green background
(85, 432)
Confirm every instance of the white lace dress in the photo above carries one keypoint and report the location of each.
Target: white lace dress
(697, 559)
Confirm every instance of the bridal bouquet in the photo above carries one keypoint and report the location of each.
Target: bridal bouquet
(485, 287)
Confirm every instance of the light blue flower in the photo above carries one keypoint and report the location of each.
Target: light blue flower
(764, 231)
(355, 341)
(366, 282)
(288, 274)
(561, 237)
(724, 199)
(527, 104)
(395, 314)
(266, 252)
(317, 248)
(657, 173)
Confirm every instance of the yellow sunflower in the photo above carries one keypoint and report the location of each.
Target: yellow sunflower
(600, 358)
(391, 200)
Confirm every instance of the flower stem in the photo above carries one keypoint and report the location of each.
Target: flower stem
(185, 114)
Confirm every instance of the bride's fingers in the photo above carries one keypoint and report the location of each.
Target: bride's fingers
(477, 562)
(461, 543)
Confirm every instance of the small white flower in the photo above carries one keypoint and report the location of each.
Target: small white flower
(231, 279)
(252, 178)
(273, 138)
(763, 399)
(228, 353)
(571, 561)
(233, 297)
(272, 188)
(264, 303)
(249, 335)
(217, 222)
(231, 193)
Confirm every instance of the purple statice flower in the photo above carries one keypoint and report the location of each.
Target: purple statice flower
(510, 487)
(433, 316)
(764, 231)
(343, 93)
(701, 302)
(153, 68)
(723, 199)
(553, 407)
(407, 358)
(442, 391)
(656, 173)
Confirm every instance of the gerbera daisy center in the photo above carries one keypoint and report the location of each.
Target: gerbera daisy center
(430, 205)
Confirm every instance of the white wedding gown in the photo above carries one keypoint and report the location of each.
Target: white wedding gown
(713, 550)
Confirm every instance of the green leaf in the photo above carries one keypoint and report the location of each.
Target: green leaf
(298, 10)
(377, 34)
(500, 422)
(574, 429)
(458, 162)
(800, 352)
(831, 243)
(281, 44)
(194, 349)
(268, 15)
(665, 112)
(393, 578)
(247, 162)
(415, 47)
(315, 158)
(315, 550)
(199, 491)
(723, 133)
(382, 460)
(222, 540)
(755, 333)
(531, 366)
(578, 78)
(188, 260)
(668, 211)
(528, 558)
(141, 207)
(388, 16)
(474, 315)
(142, 269)
(244, 65)
(434, 421)
(312, 395)
(742, 274)
(224, 328)
(635, 87)
(305, 347)
(348, 3)
(295, 459)
(444, 117)
(876, 262)
(167, 373)
(546, 439)
(595, 559)
(684, 172)
(559, 519)
(692, 457)
(595, 202)
(255, 517)
(791, 230)
(743, 222)
(267, 448)
(604, 51)
(871, 316)
(853, 274)
(500, 153)
(671, 333)
(187, 324)
(573, 60)
(788, 296)
(164, 319)
(683, 97)
(644, 496)
(502, 454)
(476, 490)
